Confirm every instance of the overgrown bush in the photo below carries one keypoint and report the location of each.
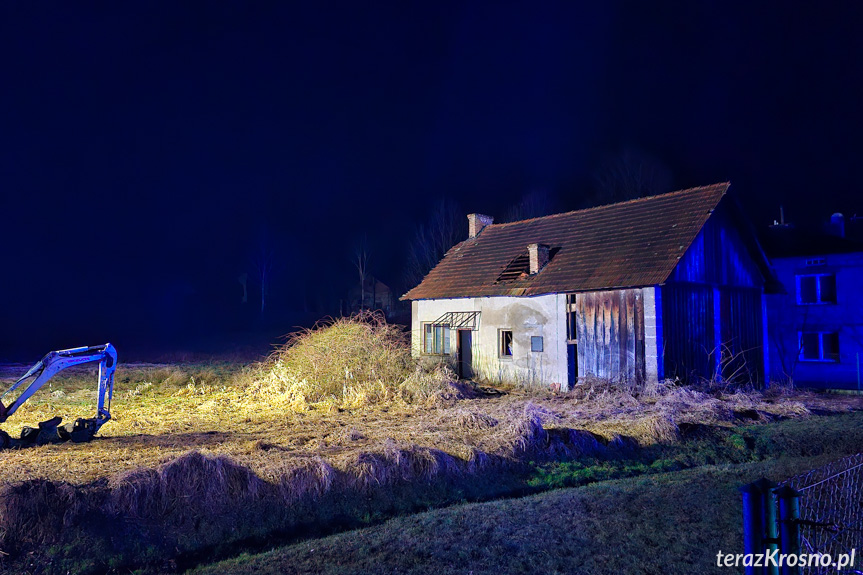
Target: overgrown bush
(347, 362)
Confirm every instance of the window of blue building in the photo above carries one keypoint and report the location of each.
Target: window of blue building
(816, 288)
(819, 346)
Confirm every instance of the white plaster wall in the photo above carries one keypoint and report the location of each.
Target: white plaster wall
(543, 315)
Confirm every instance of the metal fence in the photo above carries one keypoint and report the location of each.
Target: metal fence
(817, 512)
(831, 509)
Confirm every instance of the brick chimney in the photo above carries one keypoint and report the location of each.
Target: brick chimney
(538, 254)
(476, 222)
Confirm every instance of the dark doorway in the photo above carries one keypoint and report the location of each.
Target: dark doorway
(572, 364)
(465, 354)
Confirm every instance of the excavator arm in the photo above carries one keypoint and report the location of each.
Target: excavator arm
(44, 370)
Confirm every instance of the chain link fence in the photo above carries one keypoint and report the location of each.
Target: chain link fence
(831, 510)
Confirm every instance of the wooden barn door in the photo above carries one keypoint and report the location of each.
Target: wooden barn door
(610, 335)
(742, 335)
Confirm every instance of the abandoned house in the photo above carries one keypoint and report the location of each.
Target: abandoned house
(816, 325)
(670, 286)
(373, 294)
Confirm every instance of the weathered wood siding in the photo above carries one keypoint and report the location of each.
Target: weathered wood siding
(718, 256)
(610, 334)
(688, 331)
(712, 311)
(742, 335)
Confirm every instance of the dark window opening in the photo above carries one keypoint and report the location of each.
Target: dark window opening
(505, 343)
(810, 345)
(816, 288)
(827, 289)
(571, 325)
(808, 292)
(819, 346)
(830, 346)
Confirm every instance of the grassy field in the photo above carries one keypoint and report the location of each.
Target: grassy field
(657, 522)
(339, 430)
(670, 523)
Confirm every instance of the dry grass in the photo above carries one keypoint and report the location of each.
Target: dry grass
(163, 412)
(203, 441)
(348, 363)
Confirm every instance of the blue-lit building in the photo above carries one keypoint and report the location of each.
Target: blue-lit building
(815, 329)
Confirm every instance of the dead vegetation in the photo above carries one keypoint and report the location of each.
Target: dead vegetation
(268, 425)
(345, 363)
(199, 450)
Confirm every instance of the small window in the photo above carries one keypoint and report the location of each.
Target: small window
(816, 289)
(819, 346)
(536, 343)
(505, 337)
(436, 339)
(571, 319)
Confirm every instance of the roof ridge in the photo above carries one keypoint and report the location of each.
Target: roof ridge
(614, 204)
(625, 244)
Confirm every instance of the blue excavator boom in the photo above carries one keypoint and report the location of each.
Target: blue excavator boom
(44, 370)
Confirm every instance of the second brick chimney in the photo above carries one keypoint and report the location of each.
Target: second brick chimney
(538, 254)
(476, 222)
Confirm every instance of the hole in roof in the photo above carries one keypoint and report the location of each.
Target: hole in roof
(519, 267)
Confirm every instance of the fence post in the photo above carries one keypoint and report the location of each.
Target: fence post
(771, 528)
(789, 525)
(759, 523)
(752, 526)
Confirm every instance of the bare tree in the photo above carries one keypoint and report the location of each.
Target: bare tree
(532, 204)
(361, 262)
(264, 261)
(244, 279)
(446, 226)
(632, 174)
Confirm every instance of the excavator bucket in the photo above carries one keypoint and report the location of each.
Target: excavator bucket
(81, 431)
(44, 434)
(51, 431)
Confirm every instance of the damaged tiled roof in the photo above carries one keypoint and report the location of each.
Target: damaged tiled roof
(629, 244)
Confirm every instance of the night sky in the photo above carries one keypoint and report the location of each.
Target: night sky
(150, 152)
